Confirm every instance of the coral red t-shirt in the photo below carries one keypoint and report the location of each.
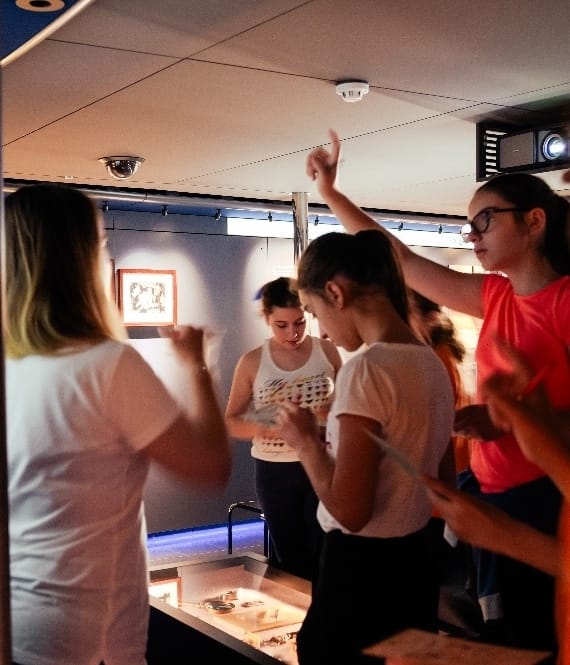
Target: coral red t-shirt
(539, 326)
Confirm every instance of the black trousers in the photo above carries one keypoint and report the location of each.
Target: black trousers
(365, 590)
(289, 505)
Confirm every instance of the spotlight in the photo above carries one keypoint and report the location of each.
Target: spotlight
(164, 211)
(218, 215)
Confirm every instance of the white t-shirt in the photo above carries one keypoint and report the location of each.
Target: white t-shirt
(76, 423)
(406, 389)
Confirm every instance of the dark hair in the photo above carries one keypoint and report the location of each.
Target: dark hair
(366, 258)
(441, 330)
(444, 333)
(422, 304)
(281, 292)
(54, 290)
(527, 191)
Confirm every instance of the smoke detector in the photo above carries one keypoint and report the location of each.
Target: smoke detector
(352, 91)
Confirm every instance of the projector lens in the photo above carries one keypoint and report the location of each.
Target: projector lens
(553, 146)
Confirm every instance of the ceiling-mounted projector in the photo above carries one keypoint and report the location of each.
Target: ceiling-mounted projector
(535, 149)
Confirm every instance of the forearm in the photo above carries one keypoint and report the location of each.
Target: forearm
(546, 443)
(500, 533)
(202, 408)
(338, 498)
(318, 465)
(211, 441)
(241, 428)
(485, 526)
(555, 461)
(531, 546)
(353, 218)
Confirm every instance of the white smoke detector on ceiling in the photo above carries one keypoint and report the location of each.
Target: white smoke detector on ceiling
(352, 91)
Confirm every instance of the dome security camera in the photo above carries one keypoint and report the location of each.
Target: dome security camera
(121, 167)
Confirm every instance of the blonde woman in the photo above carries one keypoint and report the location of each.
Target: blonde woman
(86, 415)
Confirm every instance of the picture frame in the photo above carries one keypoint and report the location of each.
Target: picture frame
(147, 297)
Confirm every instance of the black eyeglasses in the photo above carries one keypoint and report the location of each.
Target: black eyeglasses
(480, 223)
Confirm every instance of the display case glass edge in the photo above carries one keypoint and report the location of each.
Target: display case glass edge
(173, 629)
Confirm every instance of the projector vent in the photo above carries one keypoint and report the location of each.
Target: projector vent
(488, 150)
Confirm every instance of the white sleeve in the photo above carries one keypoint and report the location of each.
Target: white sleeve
(138, 403)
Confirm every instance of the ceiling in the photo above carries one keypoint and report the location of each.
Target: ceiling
(224, 98)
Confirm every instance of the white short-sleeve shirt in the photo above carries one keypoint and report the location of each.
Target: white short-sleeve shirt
(77, 421)
(406, 388)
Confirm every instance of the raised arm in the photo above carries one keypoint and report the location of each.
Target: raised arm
(196, 446)
(459, 291)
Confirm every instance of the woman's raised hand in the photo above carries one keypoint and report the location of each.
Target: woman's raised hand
(188, 342)
(322, 164)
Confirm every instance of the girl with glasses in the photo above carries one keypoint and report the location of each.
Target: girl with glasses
(520, 233)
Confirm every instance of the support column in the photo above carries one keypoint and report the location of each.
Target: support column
(300, 224)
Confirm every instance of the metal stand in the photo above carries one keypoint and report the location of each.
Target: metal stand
(254, 508)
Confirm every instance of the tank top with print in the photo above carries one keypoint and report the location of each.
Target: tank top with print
(311, 386)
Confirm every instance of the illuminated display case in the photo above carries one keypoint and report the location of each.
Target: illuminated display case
(235, 610)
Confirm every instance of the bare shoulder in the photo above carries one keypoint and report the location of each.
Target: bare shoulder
(249, 362)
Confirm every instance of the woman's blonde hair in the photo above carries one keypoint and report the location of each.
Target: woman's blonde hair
(55, 295)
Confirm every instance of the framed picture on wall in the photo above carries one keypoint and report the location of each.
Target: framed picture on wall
(147, 297)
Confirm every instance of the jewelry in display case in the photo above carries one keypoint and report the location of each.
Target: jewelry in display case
(242, 603)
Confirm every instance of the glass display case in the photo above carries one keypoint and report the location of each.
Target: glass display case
(238, 609)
